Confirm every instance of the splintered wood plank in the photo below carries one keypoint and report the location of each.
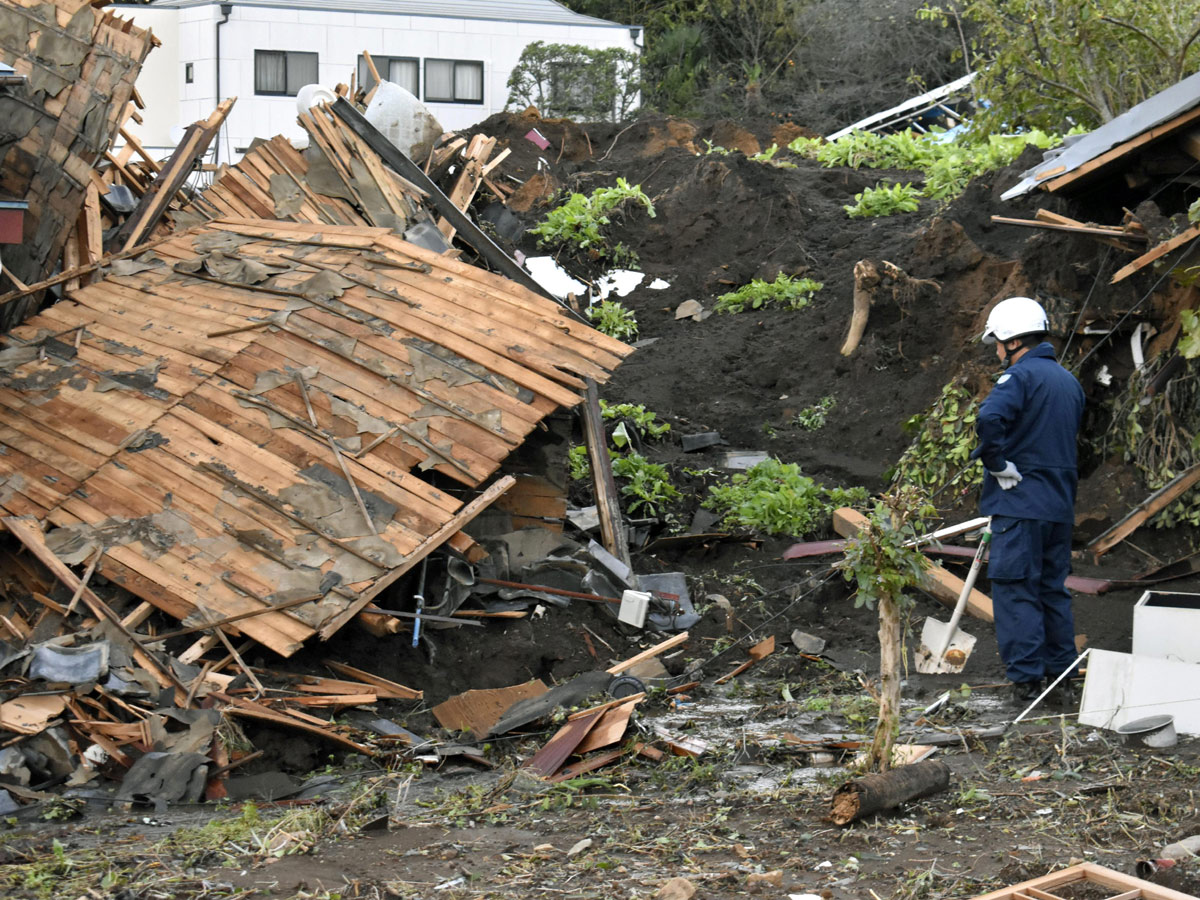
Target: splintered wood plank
(1157, 253)
(1136, 517)
(383, 686)
(551, 757)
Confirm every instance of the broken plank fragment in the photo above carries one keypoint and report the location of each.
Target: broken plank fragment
(650, 653)
(550, 758)
(1136, 517)
(390, 690)
(477, 711)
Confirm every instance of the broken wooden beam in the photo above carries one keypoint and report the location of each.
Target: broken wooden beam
(162, 191)
(1136, 517)
(649, 653)
(608, 504)
(938, 583)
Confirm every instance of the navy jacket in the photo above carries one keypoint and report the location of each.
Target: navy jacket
(1031, 419)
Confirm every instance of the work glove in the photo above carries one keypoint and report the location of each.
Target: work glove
(1008, 477)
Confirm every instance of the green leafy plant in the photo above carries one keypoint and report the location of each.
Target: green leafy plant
(776, 498)
(793, 293)
(948, 166)
(579, 466)
(643, 420)
(711, 149)
(812, 418)
(944, 436)
(1189, 335)
(579, 222)
(647, 484)
(883, 200)
(614, 319)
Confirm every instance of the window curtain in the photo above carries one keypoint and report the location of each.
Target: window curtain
(270, 72)
(468, 82)
(439, 79)
(404, 73)
(301, 70)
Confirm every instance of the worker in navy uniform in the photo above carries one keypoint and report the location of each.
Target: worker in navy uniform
(1027, 428)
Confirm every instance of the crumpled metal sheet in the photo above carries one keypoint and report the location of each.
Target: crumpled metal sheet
(70, 665)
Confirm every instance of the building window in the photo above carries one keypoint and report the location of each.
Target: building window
(402, 70)
(188, 74)
(283, 72)
(453, 81)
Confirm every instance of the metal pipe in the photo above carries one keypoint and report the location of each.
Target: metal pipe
(226, 12)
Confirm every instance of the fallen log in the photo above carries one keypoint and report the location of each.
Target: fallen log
(875, 793)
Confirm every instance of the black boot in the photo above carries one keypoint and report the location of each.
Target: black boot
(1064, 696)
(1025, 692)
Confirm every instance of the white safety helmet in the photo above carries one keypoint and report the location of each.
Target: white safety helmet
(1014, 318)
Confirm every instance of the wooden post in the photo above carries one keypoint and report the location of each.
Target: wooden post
(875, 793)
(612, 525)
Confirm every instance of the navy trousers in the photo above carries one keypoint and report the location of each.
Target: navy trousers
(1028, 563)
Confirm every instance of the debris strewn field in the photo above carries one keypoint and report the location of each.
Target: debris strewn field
(344, 557)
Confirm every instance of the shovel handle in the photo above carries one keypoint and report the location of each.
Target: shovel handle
(968, 585)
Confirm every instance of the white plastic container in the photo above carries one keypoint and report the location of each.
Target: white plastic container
(1166, 625)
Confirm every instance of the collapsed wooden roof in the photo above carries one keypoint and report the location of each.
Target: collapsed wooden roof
(243, 415)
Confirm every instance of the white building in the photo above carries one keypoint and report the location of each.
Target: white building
(455, 55)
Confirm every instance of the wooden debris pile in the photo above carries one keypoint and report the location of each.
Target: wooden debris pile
(80, 63)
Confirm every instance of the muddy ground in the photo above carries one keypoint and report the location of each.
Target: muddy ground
(1047, 793)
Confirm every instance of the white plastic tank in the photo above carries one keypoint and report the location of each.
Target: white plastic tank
(404, 120)
(312, 95)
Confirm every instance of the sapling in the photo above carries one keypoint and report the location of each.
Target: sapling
(879, 561)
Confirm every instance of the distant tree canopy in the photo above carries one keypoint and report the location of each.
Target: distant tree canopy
(827, 62)
(1047, 63)
(1041, 63)
(576, 81)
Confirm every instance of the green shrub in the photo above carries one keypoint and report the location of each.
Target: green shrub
(647, 484)
(578, 223)
(882, 200)
(944, 436)
(794, 293)
(614, 319)
(776, 498)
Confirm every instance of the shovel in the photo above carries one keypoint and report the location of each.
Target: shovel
(944, 648)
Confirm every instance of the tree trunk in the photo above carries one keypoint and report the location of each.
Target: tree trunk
(875, 793)
(880, 756)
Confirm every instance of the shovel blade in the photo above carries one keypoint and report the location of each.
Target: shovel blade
(933, 637)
